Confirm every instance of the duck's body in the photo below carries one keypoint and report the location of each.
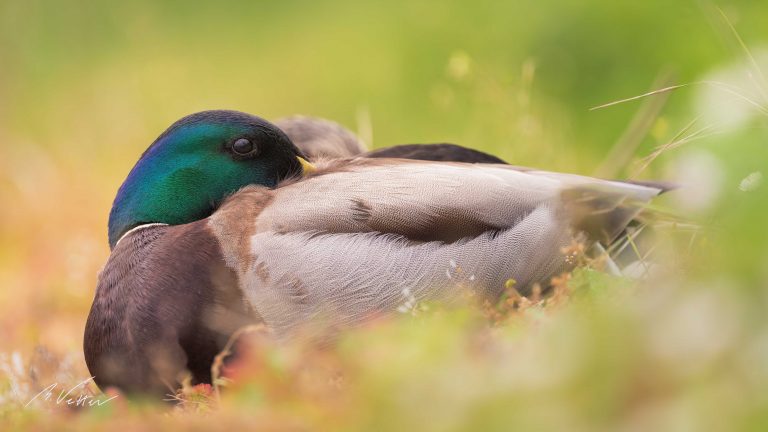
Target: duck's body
(357, 238)
(165, 303)
(319, 138)
(439, 152)
(322, 139)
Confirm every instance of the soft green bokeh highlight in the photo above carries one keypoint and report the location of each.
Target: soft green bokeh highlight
(85, 86)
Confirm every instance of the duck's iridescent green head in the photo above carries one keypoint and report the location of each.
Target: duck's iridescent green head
(200, 160)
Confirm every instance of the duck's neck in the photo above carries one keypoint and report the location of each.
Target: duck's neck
(138, 228)
(157, 192)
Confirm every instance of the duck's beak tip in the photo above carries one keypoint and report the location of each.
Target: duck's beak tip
(306, 166)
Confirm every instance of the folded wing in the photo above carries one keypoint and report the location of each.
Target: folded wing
(364, 237)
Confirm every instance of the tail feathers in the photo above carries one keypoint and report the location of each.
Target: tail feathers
(603, 211)
(663, 186)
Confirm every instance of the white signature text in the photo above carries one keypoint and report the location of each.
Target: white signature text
(73, 396)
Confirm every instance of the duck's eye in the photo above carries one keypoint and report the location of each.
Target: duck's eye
(242, 147)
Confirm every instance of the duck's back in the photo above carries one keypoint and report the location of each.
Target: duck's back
(365, 237)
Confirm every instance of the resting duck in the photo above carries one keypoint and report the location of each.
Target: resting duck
(324, 139)
(222, 222)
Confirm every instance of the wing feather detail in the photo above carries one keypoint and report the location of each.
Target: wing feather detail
(365, 237)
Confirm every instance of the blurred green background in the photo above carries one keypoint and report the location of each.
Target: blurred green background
(85, 86)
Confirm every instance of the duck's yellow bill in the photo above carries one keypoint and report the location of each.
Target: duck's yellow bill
(306, 166)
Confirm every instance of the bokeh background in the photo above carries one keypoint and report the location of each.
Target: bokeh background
(85, 86)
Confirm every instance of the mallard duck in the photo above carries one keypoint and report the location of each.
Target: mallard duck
(222, 222)
(319, 138)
